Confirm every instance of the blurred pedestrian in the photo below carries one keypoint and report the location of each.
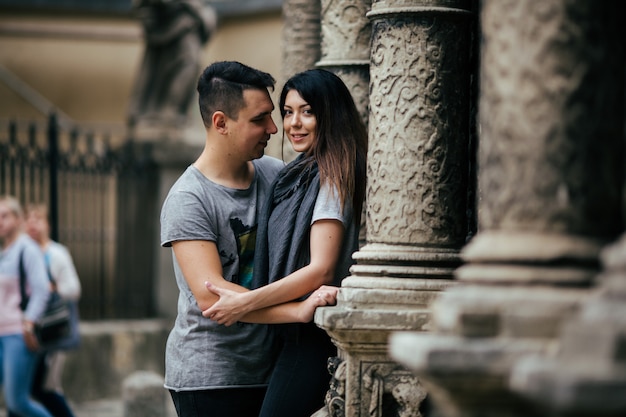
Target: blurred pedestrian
(47, 387)
(18, 343)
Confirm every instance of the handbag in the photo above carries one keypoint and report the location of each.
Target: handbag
(57, 328)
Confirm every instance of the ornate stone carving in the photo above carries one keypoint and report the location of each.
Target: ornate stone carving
(336, 395)
(417, 161)
(388, 390)
(345, 30)
(368, 310)
(346, 35)
(393, 391)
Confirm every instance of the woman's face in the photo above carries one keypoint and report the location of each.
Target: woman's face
(299, 122)
(9, 222)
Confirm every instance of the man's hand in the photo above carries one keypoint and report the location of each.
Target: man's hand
(230, 307)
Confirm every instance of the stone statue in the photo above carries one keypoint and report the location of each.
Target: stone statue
(175, 31)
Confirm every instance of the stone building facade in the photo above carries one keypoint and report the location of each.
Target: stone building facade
(488, 283)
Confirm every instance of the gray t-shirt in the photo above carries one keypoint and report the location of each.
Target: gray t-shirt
(201, 354)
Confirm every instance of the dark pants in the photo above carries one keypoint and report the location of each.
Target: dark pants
(227, 402)
(53, 401)
(300, 378)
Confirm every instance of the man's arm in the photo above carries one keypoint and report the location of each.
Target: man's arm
(200, 262)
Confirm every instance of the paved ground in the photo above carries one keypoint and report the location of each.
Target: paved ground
(103, 408)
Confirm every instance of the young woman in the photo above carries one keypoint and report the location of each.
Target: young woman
(18, 344)
(47, 387)
(308, 231)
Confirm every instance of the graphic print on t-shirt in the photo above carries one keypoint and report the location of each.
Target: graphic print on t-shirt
(246, 241)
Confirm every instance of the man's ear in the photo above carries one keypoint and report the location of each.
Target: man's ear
(219, 120)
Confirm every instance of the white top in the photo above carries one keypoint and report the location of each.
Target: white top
(62, 269)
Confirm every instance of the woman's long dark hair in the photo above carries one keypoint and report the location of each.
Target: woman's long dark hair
(340, 147)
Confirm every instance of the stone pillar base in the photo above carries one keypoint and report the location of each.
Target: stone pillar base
(366, 382)
(480, 334)
(587, 375)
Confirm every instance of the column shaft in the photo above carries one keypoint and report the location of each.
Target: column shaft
(301, 36)
(345, 39)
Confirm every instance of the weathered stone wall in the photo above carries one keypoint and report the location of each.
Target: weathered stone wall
(110, 352)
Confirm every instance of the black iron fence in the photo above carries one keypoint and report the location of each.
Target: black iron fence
(88, 185)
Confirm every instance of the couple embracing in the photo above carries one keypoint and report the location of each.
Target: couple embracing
(258, 246)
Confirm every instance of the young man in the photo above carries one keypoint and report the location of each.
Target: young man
(209, 219)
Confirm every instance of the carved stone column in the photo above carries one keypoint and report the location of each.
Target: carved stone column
(346, 33)
(301, 50)
(550, 177)
(416, 199)
(301, 36)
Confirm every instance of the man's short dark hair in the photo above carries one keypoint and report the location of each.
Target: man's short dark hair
(221, 87)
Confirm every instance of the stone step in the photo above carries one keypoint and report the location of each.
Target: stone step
(110, 352)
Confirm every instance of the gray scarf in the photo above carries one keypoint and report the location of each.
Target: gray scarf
(282, 242)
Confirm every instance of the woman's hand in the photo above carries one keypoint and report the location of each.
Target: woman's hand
(230, 307)
(29, 336)
(324, 296)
